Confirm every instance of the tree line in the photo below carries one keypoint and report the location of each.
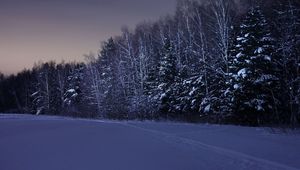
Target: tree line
(220, 61)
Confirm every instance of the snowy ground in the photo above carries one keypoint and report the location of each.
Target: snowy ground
(55, 143)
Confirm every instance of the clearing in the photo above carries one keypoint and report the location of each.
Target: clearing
(30, 142)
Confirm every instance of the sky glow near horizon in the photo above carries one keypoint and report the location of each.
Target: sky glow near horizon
(42, 30)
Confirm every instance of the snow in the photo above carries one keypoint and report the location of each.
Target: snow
(259, 50)
(193, 102)
(265, 78)
(258, 104)
(161, 86)
(267, 39)
(248, 61)
(207, 109)
(39, 111)
(34, 94)
(43, 142)
(242, 73)
(164, 95)
(268, 58)
(239, 55)
(74, 95)
(236, 86)
(191, 93)
(227, 91)
(240, 38)
(71, 91)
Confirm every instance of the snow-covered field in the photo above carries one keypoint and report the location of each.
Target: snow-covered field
(56, 143)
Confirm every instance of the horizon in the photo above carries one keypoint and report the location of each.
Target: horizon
(177, 84)
(35, 31)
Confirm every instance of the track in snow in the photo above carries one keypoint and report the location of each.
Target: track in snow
(34, 143)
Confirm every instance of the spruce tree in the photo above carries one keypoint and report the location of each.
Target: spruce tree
(167, 71)
(167, 75)
(151, 82)
(106, 57)
(114, 101)
(255, 77)
(73, 95)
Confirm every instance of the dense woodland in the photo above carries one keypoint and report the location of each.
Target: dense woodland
(217, 61)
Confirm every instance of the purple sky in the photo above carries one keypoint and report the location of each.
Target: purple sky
(43, 30)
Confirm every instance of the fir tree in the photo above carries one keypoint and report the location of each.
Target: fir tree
(151, 82)
(167, 71)
(114, 98)
(73, 98)
(167, 75)
(254, 70)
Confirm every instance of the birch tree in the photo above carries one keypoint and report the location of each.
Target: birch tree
(288, 26)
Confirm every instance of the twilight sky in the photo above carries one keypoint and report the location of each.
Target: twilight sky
(43, 30)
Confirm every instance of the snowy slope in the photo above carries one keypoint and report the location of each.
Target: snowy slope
(35, 143)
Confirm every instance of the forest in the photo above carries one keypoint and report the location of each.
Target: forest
(218, 61)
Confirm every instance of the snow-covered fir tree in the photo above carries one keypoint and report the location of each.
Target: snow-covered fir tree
(73, 98)
(255, 78)
(167, 71)
(114, 101)
(151, 82)
(167, 75)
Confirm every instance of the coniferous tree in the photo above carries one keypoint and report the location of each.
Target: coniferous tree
(73, 98)
(167, 75)
(151, 81)
(255, 71)
(92, 85)
(114, 101)
(167, 71)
